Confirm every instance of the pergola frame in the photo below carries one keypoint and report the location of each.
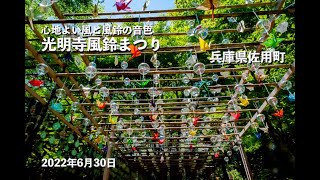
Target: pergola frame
(109, 130)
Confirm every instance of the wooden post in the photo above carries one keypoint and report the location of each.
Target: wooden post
(245, 163)
(106, 173)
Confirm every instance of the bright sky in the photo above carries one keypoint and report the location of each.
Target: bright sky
(136, 5)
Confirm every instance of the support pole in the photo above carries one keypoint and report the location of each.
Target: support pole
(106, 173)
(245, 163)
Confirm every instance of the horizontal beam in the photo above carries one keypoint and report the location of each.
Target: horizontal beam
(174, 49)
(173, 127)
(171, 100)
(173, 33)
(145, 90)
(184, 33)
(178, 79)
(168, 49)
(213, 121)
(172, 113)
(171, 10)
(160, 68)
(167, 18)
(152, 71)
(180, 103)
(179, 137)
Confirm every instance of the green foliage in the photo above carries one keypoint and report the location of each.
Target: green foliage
(251, 142)
(235, 175)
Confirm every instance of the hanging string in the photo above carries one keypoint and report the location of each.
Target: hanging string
(234, 75)
(255, 14)
(64, 83)
(139, 20)
(245, 48)
(266, 31)
(266, 87)
(222, 38)
(274, 78)
(197, 19)
(72, 86)
(95, 58)
(61, 88)
(195, 52)
(232, 17)
(233, 102)
(131, 115)
(148, 22)
(85, 97)
(256, 105)
(111, 22)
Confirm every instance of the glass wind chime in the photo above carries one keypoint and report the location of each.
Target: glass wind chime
(60, 94)
(287, 85)
(264, 25)
(233, 116)
(188, 130)
(90, 72)
(37, 14)
(228, 118)
(41, 70)
(199, 32)
(153, 92)
(240, 25)
(260, 120)
(273, 101)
